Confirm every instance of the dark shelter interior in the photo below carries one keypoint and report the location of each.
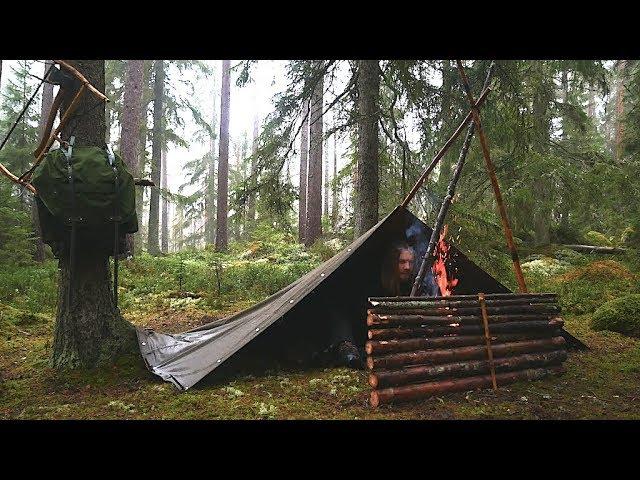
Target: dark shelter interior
(295, 338)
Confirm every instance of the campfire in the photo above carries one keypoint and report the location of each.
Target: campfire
(445, 281)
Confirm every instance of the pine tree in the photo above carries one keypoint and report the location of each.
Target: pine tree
(156, 157)
(90, 331)
(314, 177)
(130, 129)
(223, 161)
(304, 152)
(366, 186)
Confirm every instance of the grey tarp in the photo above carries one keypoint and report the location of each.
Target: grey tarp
(184, 359)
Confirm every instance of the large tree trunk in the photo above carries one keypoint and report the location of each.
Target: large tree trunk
(223, 160)
(130, 132)
(325, 180)
(619, 117)
(304, 152)
(334, 188)
(366, 208)
(447, 162)
(210, 199)
(47, 102)
(251, 201)
(314, 178)
(90, 332)
(156, 158)
(165, 204)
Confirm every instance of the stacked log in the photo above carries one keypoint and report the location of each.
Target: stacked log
(419, 347)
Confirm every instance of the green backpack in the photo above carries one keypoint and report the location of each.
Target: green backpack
(86, 198)
(103, 190)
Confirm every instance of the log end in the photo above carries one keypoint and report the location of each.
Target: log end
(373, 380)
(368, 347)
(374, 399)
(370, 363)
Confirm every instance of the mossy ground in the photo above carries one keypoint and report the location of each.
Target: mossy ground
(602, 383)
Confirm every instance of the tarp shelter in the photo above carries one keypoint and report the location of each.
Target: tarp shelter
(295, 312)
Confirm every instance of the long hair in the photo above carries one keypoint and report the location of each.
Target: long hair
(389, 273)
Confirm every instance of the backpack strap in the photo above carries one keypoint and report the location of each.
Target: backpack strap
(116, 221)
(72, 242)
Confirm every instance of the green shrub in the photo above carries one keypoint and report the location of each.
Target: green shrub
(621, 315)
(597, 238)
(584, 289)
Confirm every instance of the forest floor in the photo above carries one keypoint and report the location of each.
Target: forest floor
(601, 383)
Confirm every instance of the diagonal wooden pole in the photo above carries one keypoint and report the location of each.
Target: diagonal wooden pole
(427, 259)
(494, 181)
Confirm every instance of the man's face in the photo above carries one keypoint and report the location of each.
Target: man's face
(405, 265)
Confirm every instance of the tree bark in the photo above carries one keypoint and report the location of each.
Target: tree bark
(165, 204)
(314, 177)
(304, 152)
(90, 332)
(325, 180)
(156, 157)
(334, 188)
(251, 201)
(210, 200)
(130, 132)
(223, 160)
(447, 162)
(47, 102)
(366, 209)
(619, 123)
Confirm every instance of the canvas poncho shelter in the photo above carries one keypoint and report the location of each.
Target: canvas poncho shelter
(347, 279)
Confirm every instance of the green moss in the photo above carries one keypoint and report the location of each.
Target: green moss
(597, 238)
(621, 315)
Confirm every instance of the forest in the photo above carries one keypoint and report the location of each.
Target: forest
(252, 173)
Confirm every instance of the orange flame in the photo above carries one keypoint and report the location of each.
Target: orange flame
(439, 268)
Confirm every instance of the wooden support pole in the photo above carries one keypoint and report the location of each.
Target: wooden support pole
(427, 259)
(424, 390)
(488, 296)
(382, 320)
(388, 378)
(386, 347)
(63, 121)
(487, 338)
(442, 302)
(418, 313)
(494, 181)
(528, 328)
(434, 357)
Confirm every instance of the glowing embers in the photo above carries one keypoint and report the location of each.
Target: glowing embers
(439, 268)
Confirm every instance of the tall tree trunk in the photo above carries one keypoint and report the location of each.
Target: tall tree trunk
(47, 102)
(251, 201)
(334, 187)
(223, 160)
(366, 208)
(542, 211)
(619, 122)
(325, 180)
(91, 331)
(156, 157)
(165, 204)
(210, 200)
(314, 178)
(446, 164)
(130, 131)
(304, 152)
